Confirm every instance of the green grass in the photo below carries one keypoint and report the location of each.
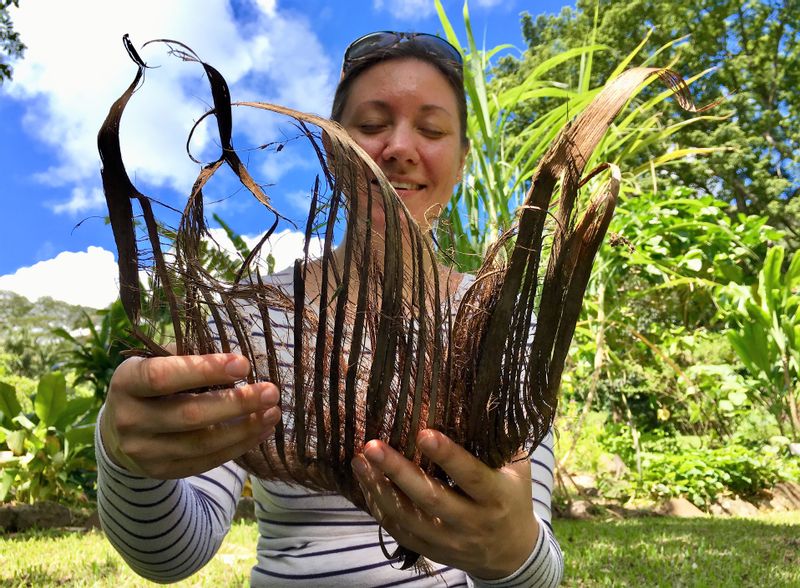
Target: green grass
(77, 558)
(736, 553)
(636, 552)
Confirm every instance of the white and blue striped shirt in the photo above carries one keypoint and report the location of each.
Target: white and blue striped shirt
(167, 530)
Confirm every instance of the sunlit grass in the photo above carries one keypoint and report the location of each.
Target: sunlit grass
(76, 558)
(683, 552)
(638, 552)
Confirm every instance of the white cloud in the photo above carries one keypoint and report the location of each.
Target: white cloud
(75, 67)
(81, 201)
(488, 3)
(88, 278)
(299, 199)
(285, 246)
(406, 9)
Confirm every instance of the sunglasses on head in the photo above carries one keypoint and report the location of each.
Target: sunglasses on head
(383, 40)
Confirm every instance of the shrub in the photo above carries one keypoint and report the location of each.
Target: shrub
(673, 466)
(47, 454)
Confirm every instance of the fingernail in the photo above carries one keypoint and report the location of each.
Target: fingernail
(238, 367)
(269, 416)
(428, 442)
(374, 453)
(360, 466)
(269, 396)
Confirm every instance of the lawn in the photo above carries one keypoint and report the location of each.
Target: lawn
(761, 552)
(78, 558)
(636, 552)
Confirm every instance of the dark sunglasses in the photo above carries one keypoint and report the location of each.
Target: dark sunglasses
(382, 40)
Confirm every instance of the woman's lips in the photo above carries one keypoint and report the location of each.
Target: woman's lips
(403, 186)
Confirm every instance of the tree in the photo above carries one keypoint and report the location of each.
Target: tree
(504, 158)
(39, 318)
(752, 46)
(10, 43)
(31, 354)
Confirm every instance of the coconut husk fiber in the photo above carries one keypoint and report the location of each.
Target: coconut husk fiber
(383, 351)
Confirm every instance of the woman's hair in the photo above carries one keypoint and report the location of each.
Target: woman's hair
(408, 49)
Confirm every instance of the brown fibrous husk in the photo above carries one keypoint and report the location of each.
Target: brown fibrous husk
(385, 351)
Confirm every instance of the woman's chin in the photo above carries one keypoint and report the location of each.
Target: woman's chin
(378, 222)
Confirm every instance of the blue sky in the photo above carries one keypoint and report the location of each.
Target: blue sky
(53, 240)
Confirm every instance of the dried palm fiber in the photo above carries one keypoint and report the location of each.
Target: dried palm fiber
(379, 354)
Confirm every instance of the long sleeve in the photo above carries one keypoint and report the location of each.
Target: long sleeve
(166, 529)
(544, 567)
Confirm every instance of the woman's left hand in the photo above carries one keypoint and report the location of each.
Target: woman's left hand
(488, 532)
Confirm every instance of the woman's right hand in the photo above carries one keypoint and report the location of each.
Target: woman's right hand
(153, 425)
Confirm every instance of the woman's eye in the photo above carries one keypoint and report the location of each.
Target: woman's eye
(432, 133)
(370, 128)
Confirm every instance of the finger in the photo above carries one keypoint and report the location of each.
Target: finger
(212, 440)
(182, 468)
(161, 376)
(426, 493)
(190, 412)
(470, 474)
(392, 509)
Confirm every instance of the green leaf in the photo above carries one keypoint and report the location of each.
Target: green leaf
(9, 405)
(738, 398)
(793, 273)
(6, 480)
(51, 397)
(16, 441)
(64, 334)
(560, 58)
(446, 25)
(695, 264)
(24, 422)
(74, 410)
(81, 436)
(236, 238)
(679, 155)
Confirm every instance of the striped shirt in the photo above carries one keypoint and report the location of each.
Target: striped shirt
(168, 529)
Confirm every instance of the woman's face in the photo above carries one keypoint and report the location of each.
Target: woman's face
(404, 114)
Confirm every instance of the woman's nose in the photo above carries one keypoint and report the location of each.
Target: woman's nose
(401, 145)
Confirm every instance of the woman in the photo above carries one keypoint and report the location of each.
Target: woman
(168, 487)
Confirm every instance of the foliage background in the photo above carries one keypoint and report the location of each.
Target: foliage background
(685, 361)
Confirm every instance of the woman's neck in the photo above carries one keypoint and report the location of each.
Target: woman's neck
(447, 278)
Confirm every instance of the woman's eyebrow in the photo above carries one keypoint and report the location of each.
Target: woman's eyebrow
(383, 105)
(380, 104)
(434, 108)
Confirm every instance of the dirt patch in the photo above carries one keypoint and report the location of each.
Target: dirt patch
(587, 503)
(16, 517)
